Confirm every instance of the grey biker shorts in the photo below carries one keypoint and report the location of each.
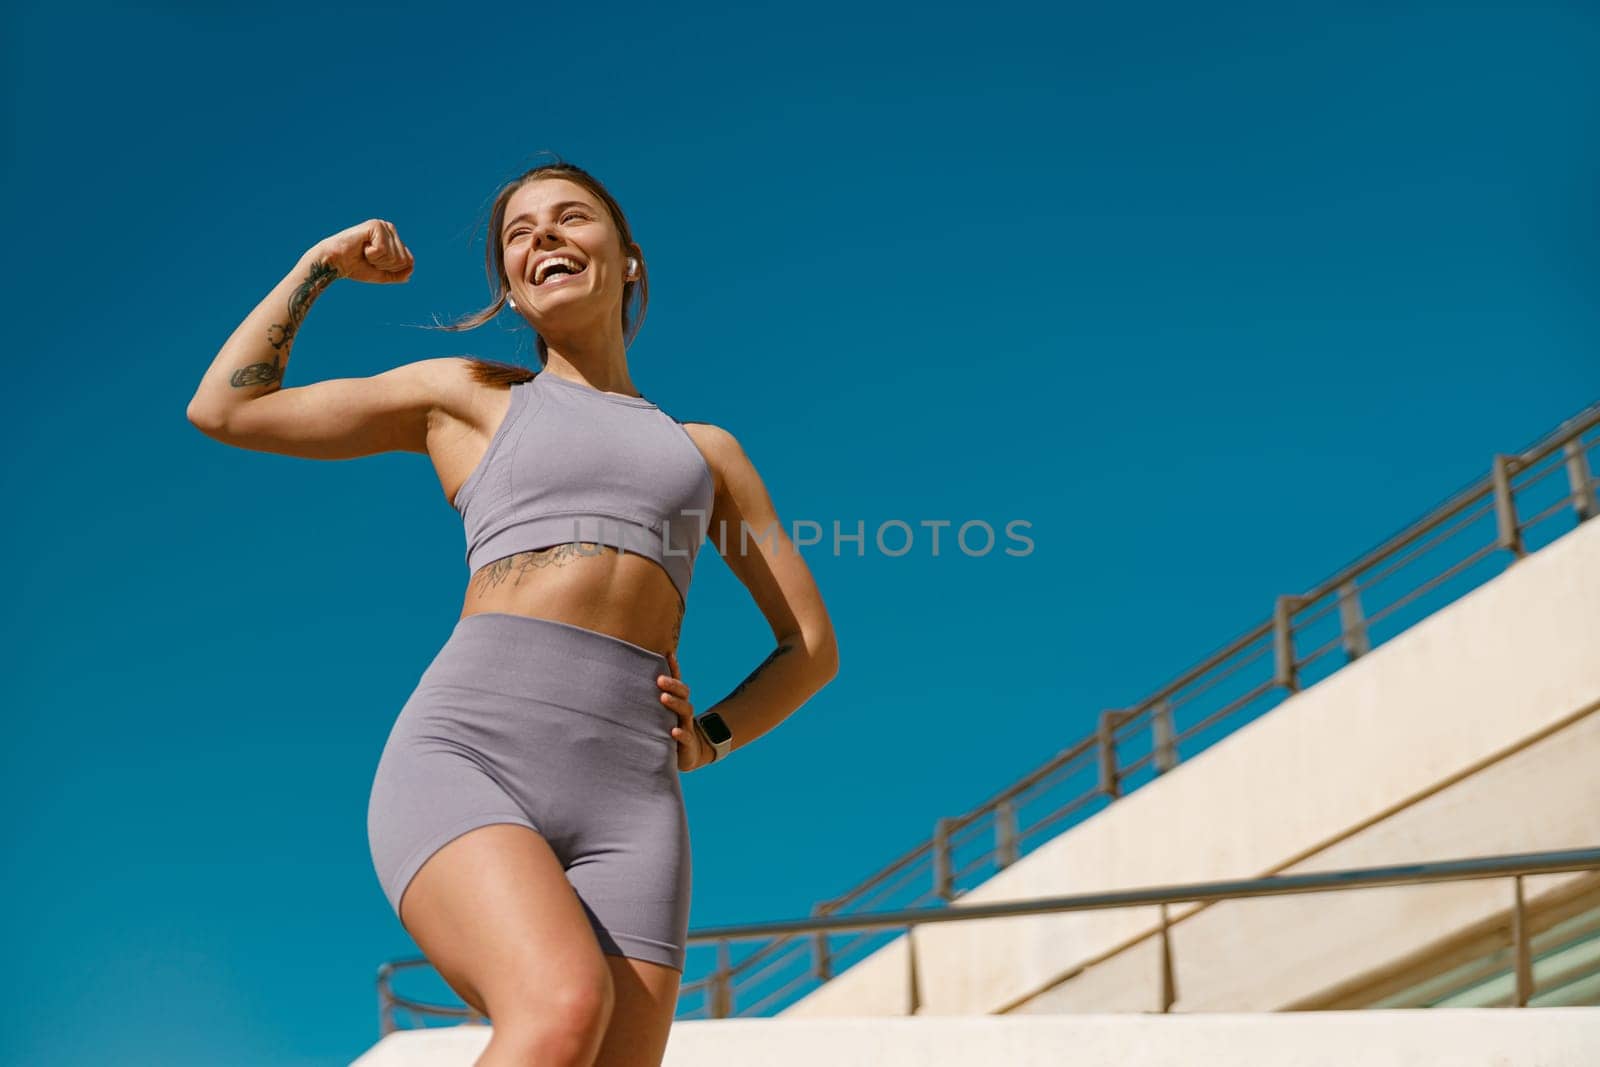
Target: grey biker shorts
(559, 729)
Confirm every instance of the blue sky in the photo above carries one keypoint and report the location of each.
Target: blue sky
(1215, 299)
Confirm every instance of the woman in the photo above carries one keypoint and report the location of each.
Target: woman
(526, 818)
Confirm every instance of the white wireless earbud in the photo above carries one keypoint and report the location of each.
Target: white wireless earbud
(512, 302)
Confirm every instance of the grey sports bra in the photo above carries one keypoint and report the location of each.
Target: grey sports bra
(571, 463)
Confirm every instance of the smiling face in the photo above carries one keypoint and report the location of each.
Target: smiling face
(563, 257)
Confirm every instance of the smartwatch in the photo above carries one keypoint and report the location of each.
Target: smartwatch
(715, 730)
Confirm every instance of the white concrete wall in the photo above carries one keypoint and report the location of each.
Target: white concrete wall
(1548, 1037)
(1546, 796)
(1471, 733)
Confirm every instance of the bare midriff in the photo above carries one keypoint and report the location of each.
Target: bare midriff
(595, 587)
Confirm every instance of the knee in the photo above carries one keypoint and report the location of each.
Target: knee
(564, 1023)
(584, 1007)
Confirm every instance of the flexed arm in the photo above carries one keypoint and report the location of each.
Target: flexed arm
(241, 400)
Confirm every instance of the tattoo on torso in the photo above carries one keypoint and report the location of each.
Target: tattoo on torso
(512, 568)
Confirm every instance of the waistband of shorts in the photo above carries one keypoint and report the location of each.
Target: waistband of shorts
(523, 657)
(568, 639)
(524, 654)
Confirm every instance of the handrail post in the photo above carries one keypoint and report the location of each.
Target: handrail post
(1162, 734)
(822, 956)
(1505, 508)
(1352, 623)
(1285, 672)
(1169, 981)
(1110, 780)
(721, 994)
(1581, 480)
(1519, 947)
(385, 1001)
(913, 990)
(941, 859)
(1005, 834)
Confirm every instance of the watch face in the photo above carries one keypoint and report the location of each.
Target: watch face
(715, 728)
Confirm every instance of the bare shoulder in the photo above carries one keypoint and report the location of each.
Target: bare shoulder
(449, 381)
(711, 437)
(460, 397)
(722, 450)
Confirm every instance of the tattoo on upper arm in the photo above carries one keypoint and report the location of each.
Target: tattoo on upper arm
(281, 335)
(781, 650)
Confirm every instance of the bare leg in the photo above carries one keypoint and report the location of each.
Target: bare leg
(646, 1001)
(495, 915)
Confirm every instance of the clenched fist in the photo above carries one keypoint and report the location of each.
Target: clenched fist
(369, 252)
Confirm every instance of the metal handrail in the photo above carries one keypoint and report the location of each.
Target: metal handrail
(1102, 754)
(1102, 751)
(1516, 866)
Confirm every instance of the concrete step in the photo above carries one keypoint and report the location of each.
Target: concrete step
(1468, 1037)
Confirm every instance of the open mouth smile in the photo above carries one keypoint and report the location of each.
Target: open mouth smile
(556, 270)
